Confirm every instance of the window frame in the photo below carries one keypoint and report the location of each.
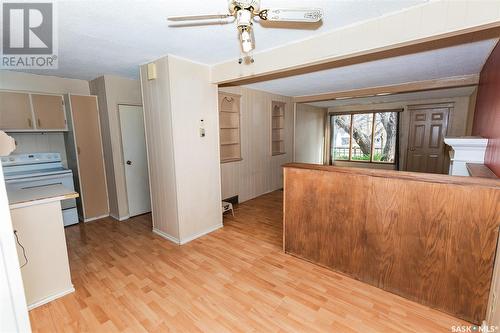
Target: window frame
(351, 115)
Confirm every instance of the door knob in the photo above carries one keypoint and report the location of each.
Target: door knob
(129, 162)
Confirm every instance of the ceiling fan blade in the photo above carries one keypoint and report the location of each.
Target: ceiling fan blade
(304, 15)
(182, 24)
(199, 17)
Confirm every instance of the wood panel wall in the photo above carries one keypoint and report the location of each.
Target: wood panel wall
(429, 238)
(258, 172)
(487, 114)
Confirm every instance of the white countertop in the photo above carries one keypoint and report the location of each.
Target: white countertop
(19, 198)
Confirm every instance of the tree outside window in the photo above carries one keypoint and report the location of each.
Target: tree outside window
(364, 137)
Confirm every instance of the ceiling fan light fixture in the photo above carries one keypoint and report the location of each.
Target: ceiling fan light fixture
(246, 39)
(245, 12)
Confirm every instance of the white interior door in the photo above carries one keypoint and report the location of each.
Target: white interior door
(135, 159)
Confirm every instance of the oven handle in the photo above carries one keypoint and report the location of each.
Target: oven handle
(26, 180)
(37, 186)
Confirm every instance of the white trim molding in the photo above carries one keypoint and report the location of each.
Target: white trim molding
(92, 219)
(166, 236)
(186, 240)
(123, 218)
(465, 150)
(50, 298)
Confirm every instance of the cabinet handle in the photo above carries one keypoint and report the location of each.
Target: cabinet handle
(39, 122)
(30, 125)
(78, 150)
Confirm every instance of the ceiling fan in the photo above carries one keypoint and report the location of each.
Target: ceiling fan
(245, 12)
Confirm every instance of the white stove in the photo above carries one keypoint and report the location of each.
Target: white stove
(25, 171)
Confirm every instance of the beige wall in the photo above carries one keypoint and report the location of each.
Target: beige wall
(184, 167)
(258, 172)
(160, 146)
(41, 142)
(42, 83)
(111, 91)
(457, 120)
(309, 134)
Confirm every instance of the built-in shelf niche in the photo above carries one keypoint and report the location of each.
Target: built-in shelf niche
(278, 128)
(229, 122)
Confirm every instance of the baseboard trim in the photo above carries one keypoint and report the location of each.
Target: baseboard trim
(50, 298)
(95, 218)
(123, 218)
(166, 236)
(187, 239)
(200, 234)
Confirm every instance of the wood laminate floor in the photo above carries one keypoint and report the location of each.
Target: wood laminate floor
(237, 279)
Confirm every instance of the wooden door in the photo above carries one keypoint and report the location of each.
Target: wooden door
(49, 112)
(15, 111)
(87, 132)
(428, 126)
(135, 159)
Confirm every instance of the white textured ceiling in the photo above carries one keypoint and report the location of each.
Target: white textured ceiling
(114, 36)
(452, 61)
(442, 93)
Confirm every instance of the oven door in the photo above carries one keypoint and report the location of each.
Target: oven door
(65, 180)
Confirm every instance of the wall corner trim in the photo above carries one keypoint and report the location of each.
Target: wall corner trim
(186, 240)
(166, 236)
(51, 298)
(123, 218)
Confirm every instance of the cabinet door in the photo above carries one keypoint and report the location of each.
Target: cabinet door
(90, 157)
(49, 112)
(15, 111)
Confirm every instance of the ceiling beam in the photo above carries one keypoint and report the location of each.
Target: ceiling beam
(433, 25)
(445, 83)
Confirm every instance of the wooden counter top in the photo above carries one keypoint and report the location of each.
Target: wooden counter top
(415, 176)
(19, 198)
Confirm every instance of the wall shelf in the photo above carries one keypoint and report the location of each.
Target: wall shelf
(229, 127)
(277, 128)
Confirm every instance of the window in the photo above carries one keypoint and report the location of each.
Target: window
(364, 137)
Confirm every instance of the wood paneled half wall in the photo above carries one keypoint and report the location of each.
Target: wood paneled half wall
(429, 238)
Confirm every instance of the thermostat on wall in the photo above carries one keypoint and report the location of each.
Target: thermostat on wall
(151, 71)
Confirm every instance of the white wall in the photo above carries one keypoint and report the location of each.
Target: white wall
(113, 90)
(309, 134)
(184, 167)
(258, 172)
